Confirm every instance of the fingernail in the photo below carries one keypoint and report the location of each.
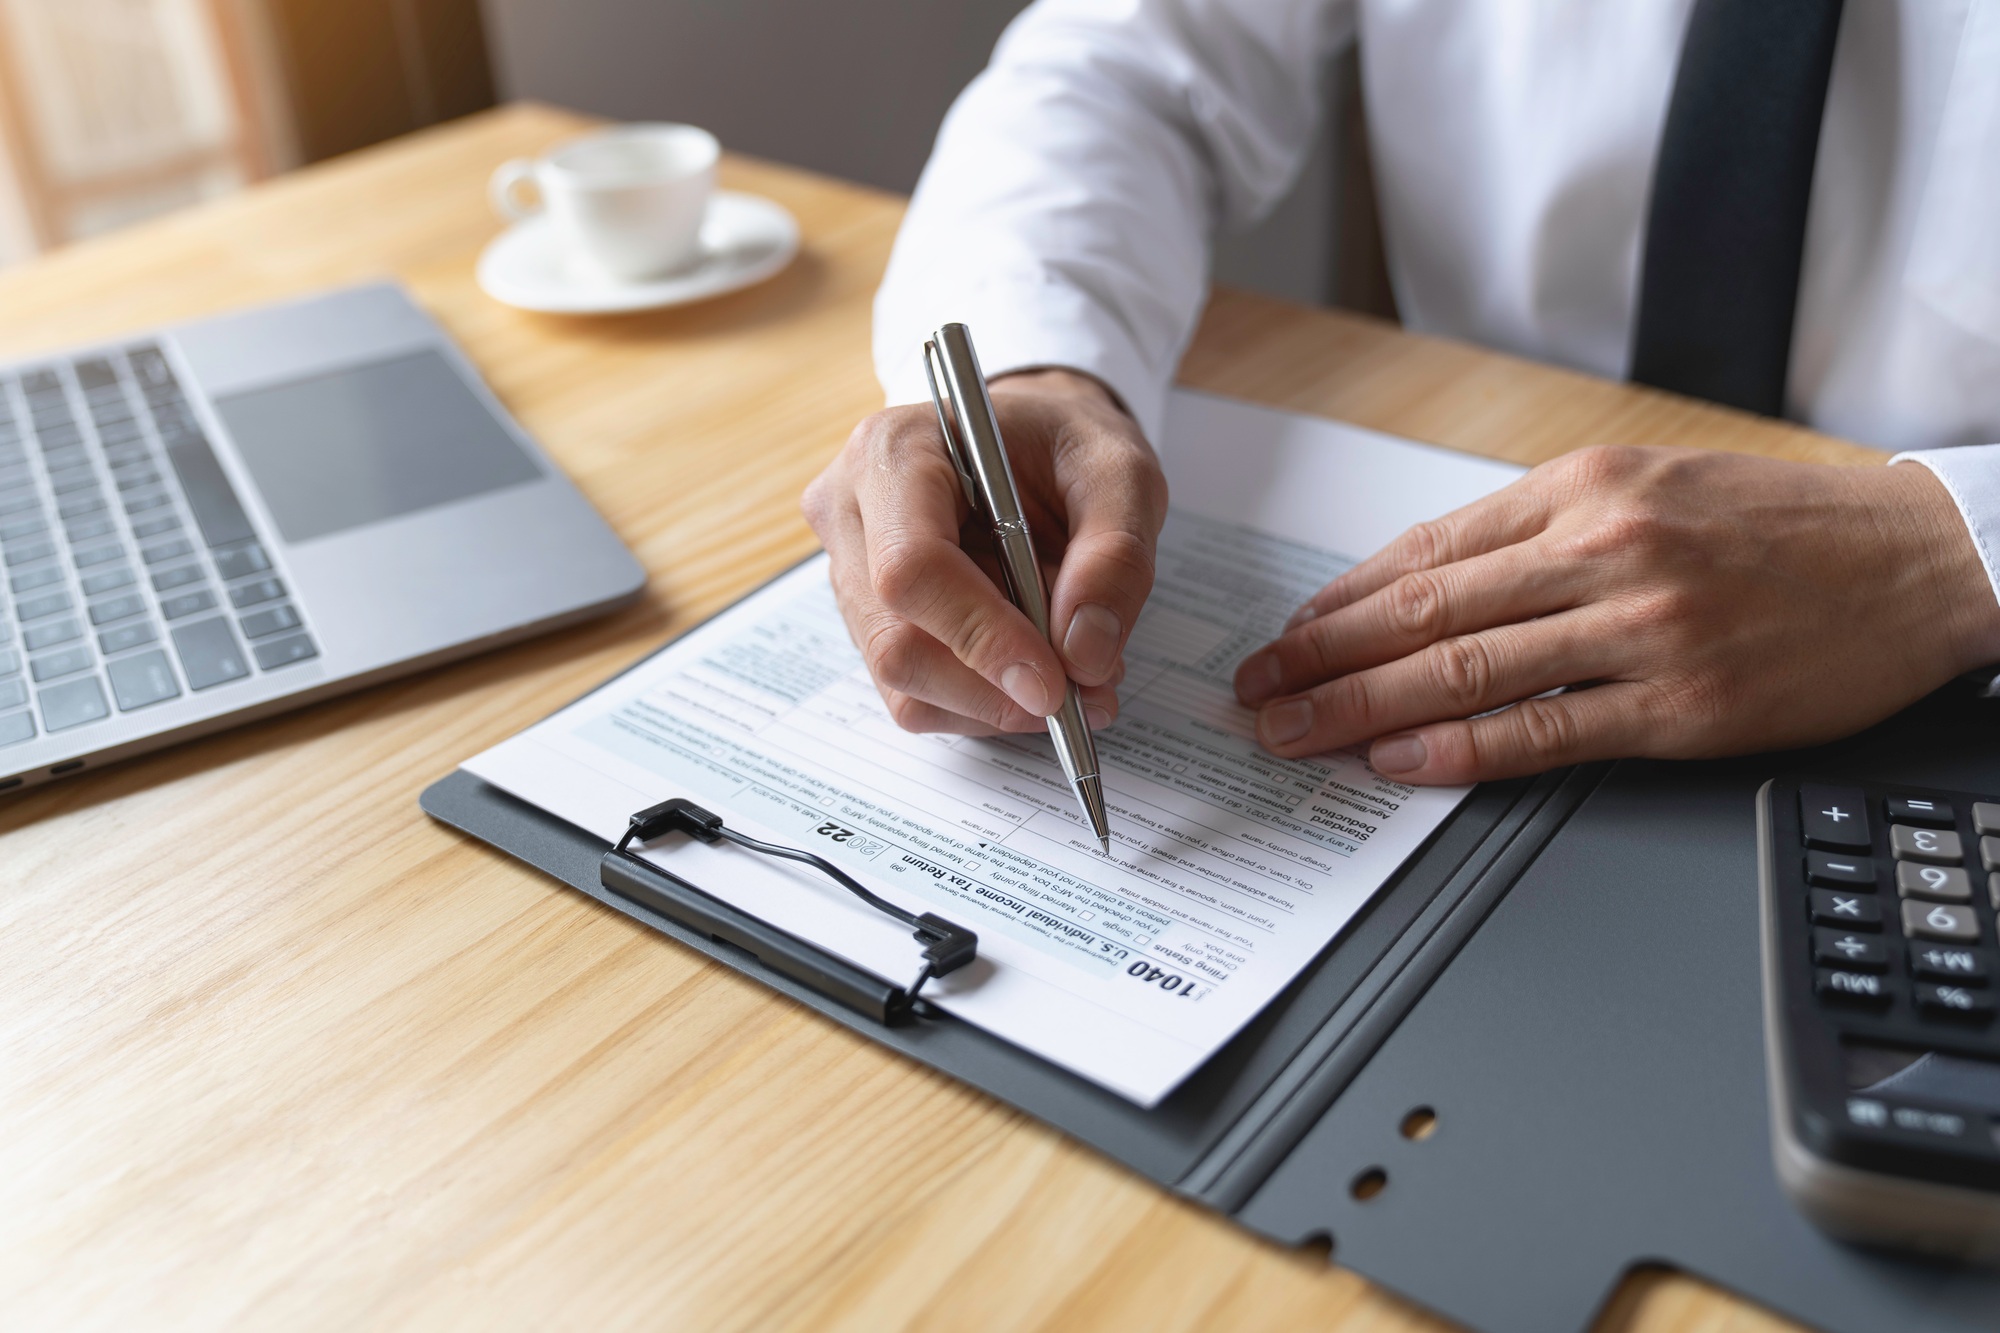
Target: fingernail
(1024, 685)
(1281, 724)
(1258, 678)
(1398, 754)
(1301, 616)
(1092, 642)
(1098, 718)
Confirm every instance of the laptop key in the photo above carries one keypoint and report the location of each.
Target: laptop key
(88, 529)
(50, 633)
(126, 636)
(251, 594)
(85, 504)
(263, 624)
(178, 608)
(73, 479)
(116, 608)
(65, 663)
(135, 478)
(10, 661)
(142, 679)
(153, 527)
(139, 504)
(284, 652)
(36, 608)
(73, 703)
(30, 579)
(13, 692)
(240, 562)
(169, 579)
(106, 580)
(99, 555)
(15, 728)
(22, 530)
(217, 511)
(179, 546)
(208, 652)
(20, 504)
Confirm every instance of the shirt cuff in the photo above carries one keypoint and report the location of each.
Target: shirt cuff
(1023, 323)
(1971, 473)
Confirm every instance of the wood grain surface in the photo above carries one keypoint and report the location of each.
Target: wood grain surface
(276, 1051)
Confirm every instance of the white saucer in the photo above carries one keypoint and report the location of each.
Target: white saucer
(744, 240)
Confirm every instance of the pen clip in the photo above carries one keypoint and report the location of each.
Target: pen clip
(954, 447)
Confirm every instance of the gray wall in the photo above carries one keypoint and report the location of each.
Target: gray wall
(854, 88)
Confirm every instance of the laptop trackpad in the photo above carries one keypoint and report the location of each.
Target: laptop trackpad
(352, 446)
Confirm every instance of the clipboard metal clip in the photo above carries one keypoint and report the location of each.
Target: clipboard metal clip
(947, 946)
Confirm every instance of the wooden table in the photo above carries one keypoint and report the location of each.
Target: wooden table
(276, 1051)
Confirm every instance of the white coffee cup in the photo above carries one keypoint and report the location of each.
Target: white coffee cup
(627, 202)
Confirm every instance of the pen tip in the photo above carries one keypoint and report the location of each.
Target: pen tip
(1106, 842)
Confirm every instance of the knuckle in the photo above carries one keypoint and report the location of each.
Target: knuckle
(1663, 607)
(908, 713)
(898, 570)
(1415, 605)
(1599, 465)
(894, 651)
(1462, 671)
(1547, 729)
(1425, 544)
(1352, 699)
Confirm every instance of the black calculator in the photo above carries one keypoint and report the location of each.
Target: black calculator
(1881, 983)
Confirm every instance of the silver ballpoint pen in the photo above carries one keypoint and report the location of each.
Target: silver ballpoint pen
(972, 438)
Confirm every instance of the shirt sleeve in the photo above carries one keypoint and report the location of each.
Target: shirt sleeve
(1972, 474)
(1066, 210)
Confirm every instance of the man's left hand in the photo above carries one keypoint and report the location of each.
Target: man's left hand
(1701, 604)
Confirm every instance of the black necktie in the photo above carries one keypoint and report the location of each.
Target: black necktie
(1726, 225)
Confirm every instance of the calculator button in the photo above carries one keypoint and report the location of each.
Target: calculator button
(1924, 844)
(1834, 817)
(1957, 1001)
(1986, 817)
(1993, 889)
(1840, 871)
(1989, 853)
(1945, 962)
(1831, 907)
(1845, 948)
(1946, 884)
(1858, 987)
(1910, 810)
(1939, 921)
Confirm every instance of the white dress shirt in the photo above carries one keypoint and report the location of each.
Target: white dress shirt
(1067, 210)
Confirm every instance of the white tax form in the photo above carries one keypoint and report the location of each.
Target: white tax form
(1231, 869)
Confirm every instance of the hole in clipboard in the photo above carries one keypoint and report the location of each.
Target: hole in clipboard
(1317, 1246)
(1368, 1184)
(1419, 1124)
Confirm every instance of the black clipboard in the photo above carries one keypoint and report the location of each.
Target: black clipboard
(1562, 984)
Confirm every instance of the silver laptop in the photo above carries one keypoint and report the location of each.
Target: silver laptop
(221, 519)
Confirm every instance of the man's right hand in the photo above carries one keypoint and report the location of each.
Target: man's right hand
(912, 569)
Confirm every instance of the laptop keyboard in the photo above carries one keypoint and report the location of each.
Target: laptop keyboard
(131, 572)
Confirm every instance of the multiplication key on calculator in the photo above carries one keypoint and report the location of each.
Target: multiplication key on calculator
(1881, 934)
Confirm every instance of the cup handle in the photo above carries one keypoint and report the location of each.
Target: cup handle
(503, 190)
